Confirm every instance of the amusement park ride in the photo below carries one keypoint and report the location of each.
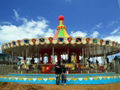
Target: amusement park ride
(77, 52)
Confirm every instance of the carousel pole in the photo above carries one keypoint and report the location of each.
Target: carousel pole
(78, 61)
(97, 62)
(104, 54)
(53, 60)
(38, 55)
(96, 48)
(12, 62)
(94, 55)
(88, 58)
(26, 54)
(84, 55)
(59, 57)
(42, 58)
(89, 54)
(69, 56)
(49, 58)
(83, 52)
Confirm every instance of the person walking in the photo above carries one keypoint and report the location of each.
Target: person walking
(58, 71)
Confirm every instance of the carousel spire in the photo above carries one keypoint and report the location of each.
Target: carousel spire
(61, 29)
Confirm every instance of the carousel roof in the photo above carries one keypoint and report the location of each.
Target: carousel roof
(61, 29)
(60, 41)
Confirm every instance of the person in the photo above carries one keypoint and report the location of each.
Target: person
(64, 74)
(58, 71)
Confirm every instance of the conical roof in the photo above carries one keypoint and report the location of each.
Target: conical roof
(61, 29)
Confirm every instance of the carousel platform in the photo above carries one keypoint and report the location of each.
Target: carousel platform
(101, 78)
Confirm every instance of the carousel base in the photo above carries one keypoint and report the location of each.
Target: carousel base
(103, 78)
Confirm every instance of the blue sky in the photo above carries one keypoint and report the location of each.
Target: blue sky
(33, 18)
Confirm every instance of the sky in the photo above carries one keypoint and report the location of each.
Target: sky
(21, 19)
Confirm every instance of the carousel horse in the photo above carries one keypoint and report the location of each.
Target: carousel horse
(25, 67)
(70, 66)
(106, 67)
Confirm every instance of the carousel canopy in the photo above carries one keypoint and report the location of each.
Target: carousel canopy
(61, 29)
(62, 43)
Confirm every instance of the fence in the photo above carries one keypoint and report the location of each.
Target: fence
(12, 68)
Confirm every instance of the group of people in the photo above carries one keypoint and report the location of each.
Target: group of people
(61, 71)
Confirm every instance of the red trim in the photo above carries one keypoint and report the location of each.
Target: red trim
(34, 40)
(69, 39)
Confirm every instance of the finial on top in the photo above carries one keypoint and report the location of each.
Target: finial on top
(61, 18)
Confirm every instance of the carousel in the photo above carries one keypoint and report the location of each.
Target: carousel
(74, 52)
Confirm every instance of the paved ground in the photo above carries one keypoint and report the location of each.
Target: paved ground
(14, 86)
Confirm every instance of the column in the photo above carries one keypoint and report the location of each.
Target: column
(58, 57)
(78, 61)
(42, 59)
(69, 58)
(49, 59)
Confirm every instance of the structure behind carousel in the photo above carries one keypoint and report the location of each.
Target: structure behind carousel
(88, 60)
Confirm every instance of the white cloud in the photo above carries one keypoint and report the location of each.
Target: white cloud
(31, 29)
(116, 30)
(97, 26)
(78, 34)
(95, 34)
(115, 35)
(28, 29)
(17, 17)
(113, 38)
(16, 14)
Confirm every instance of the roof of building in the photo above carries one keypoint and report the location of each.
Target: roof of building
(61, 29)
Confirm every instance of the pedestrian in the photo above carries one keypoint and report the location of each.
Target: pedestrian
(58, 71)
(64, 74)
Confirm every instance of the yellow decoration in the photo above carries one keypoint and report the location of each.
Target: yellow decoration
(39, 78)
(51, 78)
(74, 79)
(29, 78)
(85, 78)
(20, 78)
(95, 78)
(1, 77)
(104, 77)
(13, 78)
(111, 76)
